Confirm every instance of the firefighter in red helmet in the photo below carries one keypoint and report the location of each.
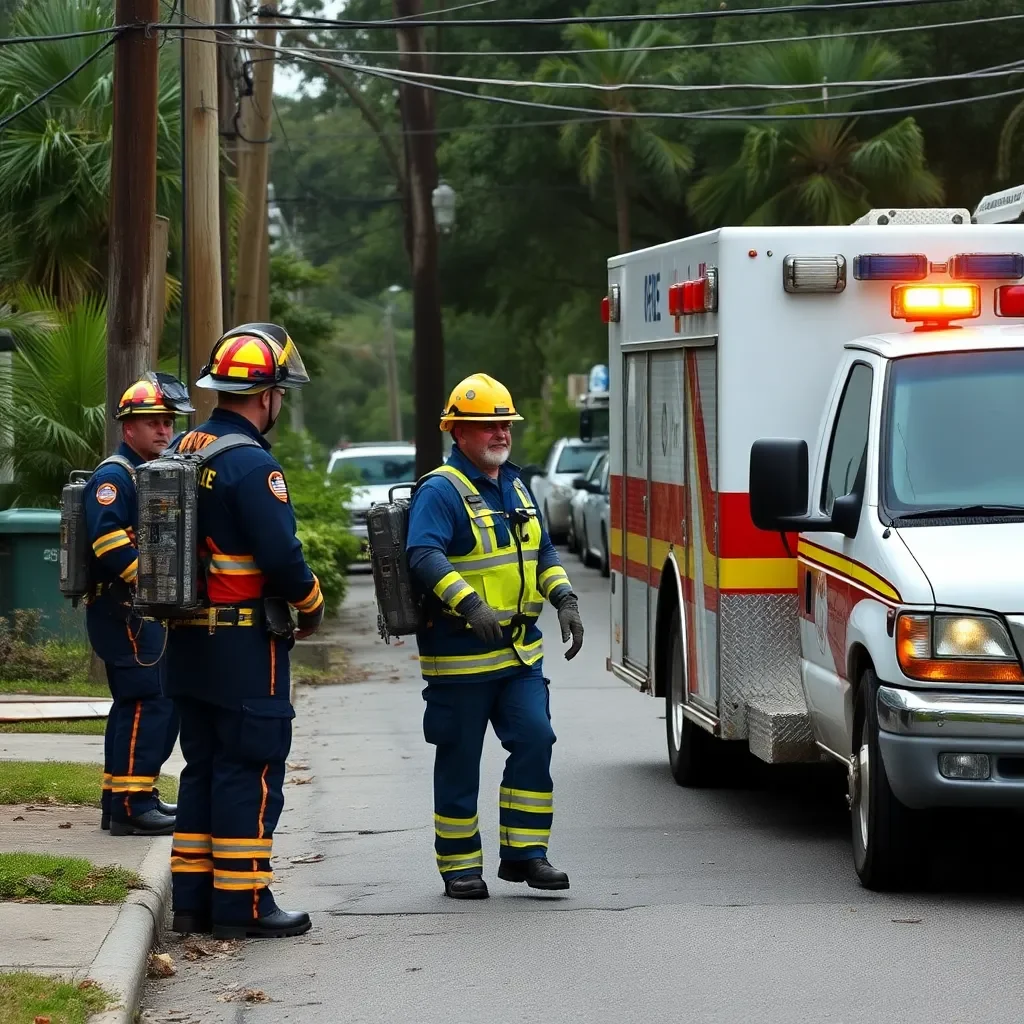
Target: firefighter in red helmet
(141, 726)
(228, 666)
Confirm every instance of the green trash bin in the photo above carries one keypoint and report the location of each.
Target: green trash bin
(30, 572)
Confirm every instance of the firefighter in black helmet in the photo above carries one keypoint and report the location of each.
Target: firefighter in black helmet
(228, 667)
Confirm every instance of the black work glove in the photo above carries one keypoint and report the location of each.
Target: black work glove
(572, 625)
(482, 619)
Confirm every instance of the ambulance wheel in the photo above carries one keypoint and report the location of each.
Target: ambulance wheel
(882, 827)
(690, 749)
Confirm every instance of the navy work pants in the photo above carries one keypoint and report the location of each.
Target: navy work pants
(455, 722)
(142, 726)
(229, 803)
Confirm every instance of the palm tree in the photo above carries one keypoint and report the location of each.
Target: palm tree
(617, 142)
(54, 402)
(55, 158)
(814, 171)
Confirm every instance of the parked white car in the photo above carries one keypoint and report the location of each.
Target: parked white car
(373, 469)
(552, 488)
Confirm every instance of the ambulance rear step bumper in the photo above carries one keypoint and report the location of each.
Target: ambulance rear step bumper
(779, 732)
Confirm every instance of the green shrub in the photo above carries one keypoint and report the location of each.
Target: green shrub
(21, 657)
(320, 512)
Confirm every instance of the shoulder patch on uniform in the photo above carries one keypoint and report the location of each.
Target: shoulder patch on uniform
(106, 494)
(278, 488)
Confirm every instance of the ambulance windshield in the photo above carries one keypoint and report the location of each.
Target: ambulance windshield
(955, 432)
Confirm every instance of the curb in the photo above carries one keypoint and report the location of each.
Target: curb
(121, 963)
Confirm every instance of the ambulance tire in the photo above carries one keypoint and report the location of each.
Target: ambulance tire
(883, 829)
(692, 752)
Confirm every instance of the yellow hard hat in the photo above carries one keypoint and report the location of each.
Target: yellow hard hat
(479, 399)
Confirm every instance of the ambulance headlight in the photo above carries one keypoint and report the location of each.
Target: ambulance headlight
(956, 649)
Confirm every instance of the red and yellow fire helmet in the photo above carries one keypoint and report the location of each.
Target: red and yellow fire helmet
(251, 358)
(154, 394)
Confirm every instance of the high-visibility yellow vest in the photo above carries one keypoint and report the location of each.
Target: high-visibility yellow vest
(503, 575)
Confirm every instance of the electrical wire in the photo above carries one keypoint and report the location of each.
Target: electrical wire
(617, 19)
(58, 37)
(736, 113)
(78, 69)
(673, 47)
(447, 10)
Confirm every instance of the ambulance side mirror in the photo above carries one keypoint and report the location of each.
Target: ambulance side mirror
(778, 486)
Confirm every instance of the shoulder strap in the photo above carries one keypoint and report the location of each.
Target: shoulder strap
(223, 444)
(117, 460)
(467, 492)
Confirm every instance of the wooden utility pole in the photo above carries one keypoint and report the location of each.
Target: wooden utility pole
(202, 195)
(158, 300)
(132, 201)
(254, 166)
(421, 180)
(227, 101)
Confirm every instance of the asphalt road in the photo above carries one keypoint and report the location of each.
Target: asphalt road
(731, 904)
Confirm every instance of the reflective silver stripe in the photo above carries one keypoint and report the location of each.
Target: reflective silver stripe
(501, 657)
(523, 492)
(223, 562)
(492, 561)
(241, 852)
(453, 590)
(459, 861)
(524, 837)
(198, 845)
(446, 831)
(561, 585)
(541, 801)
(487, 539)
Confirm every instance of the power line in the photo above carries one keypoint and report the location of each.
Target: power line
(58, 37)
(673, 47)
(80, 67)
(666, 16)
(448, 10)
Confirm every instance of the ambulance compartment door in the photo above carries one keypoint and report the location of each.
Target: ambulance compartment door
(636, 517)
(700, 527)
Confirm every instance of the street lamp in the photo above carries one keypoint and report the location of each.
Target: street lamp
(443, 200)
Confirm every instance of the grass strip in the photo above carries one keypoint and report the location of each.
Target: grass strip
(70, 727)
(25, 997)
(76, 686)
(61, 782)
(45, 878)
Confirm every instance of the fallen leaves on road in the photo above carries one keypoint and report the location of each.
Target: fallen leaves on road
(296, 780)
(237, 994)
(906, 920)
(198, 949)
(297, 766)
(20, 817)
(64, 824)
(161, 965)
(307, 858)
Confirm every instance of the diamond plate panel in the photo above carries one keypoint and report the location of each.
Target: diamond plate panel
(780, 732)
(759, 655)
(922, 215)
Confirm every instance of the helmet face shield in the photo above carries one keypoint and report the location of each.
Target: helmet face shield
(293, 370)
(173, 392)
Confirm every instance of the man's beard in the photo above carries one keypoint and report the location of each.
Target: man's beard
(495, 457)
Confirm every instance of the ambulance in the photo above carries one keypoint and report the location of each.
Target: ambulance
(817, 508)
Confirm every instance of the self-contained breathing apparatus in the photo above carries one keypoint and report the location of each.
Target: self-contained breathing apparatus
(400, 601)
(75, 549)
(167, 586)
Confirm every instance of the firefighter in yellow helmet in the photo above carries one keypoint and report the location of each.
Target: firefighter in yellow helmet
(142, 726)
(228, 666)
(478, 547)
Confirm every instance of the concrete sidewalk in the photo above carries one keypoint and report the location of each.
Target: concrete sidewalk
(109, 944)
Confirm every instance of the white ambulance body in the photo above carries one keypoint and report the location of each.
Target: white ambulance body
(879, 619)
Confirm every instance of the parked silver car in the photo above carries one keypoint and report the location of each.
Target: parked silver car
(553, 488)
(594, 531)
(578, 500)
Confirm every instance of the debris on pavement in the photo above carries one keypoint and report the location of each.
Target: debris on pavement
(238, 994)
(307, 858)
(161, 965)
(297, 780)
(211, 949)
(298, 766)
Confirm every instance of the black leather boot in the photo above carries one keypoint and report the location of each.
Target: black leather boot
(105, 821)
(466, 887)
(194, 922)
(278, 924)
(536, 873)
(152, 823)
(170, 809)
